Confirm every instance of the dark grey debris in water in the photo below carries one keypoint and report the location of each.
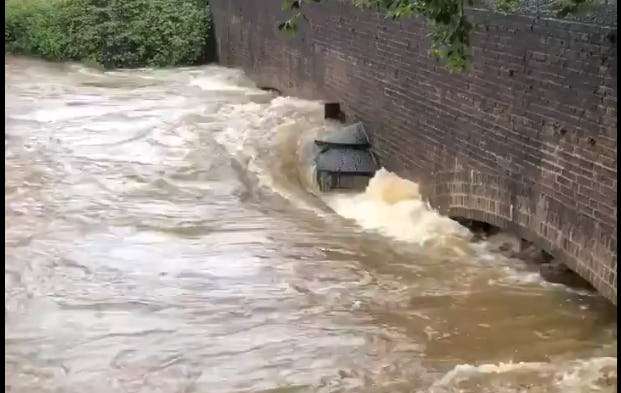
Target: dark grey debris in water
(345, 168)
(353, 135)
(346, 161)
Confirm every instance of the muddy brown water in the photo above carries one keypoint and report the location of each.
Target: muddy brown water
(159, 238)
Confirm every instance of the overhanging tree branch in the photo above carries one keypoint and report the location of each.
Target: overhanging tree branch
(450, 28)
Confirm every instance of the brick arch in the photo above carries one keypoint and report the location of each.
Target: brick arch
(470, 194)
(521, 207)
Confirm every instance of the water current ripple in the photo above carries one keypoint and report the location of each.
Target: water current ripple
(160, 237)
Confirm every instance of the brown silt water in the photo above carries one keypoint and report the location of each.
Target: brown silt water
(161, 235)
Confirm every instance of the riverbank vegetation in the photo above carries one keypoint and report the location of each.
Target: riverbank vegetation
(111, 33)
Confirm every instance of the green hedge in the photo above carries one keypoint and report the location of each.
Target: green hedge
(113, 33)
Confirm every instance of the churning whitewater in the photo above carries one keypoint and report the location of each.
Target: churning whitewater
(163, 234)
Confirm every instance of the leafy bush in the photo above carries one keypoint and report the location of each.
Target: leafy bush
(113, 33)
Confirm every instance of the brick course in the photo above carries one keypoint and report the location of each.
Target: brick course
(526, 140)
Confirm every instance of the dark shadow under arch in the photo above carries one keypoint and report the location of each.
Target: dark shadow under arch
(523, 210)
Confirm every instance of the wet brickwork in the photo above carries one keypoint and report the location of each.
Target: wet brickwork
(526, 140)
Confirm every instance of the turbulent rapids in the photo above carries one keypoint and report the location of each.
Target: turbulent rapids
(166, 232)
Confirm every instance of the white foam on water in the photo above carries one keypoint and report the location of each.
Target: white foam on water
(591, 375)
(222, 79)
(597, 374)
(263, 137)
(211, 84)
(464, 371)
(393, 206)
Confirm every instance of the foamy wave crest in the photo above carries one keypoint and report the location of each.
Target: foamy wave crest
(263, 137)
(393, 206)
(597, 374)
(222, 79)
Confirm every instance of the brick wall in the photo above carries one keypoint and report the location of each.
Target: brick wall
(526, 140)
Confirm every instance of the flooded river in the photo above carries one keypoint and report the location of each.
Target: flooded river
(159, 239)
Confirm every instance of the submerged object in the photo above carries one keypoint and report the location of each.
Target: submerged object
(352, 136)
(344, 159)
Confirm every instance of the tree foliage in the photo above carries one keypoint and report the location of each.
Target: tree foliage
(450, 28)
(113, 33)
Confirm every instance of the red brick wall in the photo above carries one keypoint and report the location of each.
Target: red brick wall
(526, 140)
